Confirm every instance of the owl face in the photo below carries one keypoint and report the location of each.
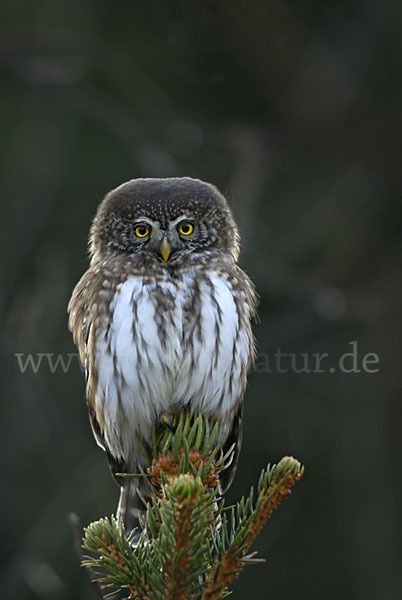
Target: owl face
(164, 219)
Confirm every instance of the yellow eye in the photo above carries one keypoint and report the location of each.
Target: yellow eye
(186, 228)
(142, 231)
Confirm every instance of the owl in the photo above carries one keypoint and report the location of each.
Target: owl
(162, 321)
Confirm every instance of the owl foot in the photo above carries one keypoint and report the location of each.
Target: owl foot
(166, 422)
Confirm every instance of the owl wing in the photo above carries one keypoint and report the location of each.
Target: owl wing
(84, 309)
(245, 298)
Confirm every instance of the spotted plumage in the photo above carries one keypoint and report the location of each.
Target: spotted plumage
(162, 319)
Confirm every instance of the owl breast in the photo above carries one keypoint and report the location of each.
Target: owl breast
(169, 343)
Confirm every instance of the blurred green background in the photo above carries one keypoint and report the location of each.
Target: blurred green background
(293, 109)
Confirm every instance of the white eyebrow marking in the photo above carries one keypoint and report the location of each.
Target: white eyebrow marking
(181, 218)
(145, 220)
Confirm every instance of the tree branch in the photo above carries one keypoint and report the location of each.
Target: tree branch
(190, 547)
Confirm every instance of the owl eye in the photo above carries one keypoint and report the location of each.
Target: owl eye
(142, 231)
(186, 228)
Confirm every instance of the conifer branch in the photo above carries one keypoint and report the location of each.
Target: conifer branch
(190, 547)
(249, 522)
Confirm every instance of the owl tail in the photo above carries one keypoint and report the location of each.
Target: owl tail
(132, 503)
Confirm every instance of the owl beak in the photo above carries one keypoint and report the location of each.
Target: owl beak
(165, 249)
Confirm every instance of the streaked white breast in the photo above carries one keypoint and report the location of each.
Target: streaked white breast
(164, 350)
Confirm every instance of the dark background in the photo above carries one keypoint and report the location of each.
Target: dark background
(293, 109)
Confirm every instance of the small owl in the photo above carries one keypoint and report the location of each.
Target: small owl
(162, 321)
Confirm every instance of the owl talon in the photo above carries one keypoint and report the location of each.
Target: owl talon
(166, 422)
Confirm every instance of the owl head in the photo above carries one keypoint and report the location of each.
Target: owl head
(164, 219)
